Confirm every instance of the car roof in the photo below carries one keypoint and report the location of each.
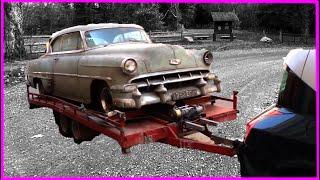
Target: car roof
(92, 27)
(302, 63)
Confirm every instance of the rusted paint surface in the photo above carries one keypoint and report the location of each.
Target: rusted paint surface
(71, 73)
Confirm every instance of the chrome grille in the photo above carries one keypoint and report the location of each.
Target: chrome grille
(180, 79)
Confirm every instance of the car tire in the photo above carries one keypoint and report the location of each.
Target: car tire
(82, 133)
(102, 99)
(244, 171)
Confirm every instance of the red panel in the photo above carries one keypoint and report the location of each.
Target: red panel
(220, 111)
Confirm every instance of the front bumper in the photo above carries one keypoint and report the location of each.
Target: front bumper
(161, 93)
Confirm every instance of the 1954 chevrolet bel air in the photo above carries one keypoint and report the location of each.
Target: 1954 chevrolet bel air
(117, 66)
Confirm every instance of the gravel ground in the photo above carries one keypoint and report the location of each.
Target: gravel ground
(33, 146)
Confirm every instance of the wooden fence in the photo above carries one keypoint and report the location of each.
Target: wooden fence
(295, 38)
(170, 37)
(35, 45)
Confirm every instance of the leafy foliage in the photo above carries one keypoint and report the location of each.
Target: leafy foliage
(45, 18)
(291, 18)
(146, 15)
(202, 15)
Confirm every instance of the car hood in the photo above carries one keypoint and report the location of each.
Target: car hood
(155, 57)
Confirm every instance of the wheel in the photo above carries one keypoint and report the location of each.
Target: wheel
(41, 88)
(244, 171)
(82, 133)
(56, 116)
(64, 124)
(102, 100)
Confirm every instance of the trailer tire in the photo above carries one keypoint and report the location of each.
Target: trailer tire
(41, 88)
(56, 117)
(82, 133)
(64, 124)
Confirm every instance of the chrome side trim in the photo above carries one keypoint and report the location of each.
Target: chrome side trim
(65, 52)
(72, 75)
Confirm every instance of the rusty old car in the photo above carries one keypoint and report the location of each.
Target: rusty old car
(108, 66)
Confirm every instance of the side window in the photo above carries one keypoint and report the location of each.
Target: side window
(56, 45)
(71, 42)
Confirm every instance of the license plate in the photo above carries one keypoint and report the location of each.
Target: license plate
(184, 94)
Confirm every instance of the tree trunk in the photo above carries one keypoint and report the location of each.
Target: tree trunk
(14, 44)
(176, 10)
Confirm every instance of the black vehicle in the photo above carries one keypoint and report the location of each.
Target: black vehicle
(281, 141)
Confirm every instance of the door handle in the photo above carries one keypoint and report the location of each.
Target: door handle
(56, 59)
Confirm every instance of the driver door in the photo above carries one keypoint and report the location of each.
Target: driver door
(65, 66)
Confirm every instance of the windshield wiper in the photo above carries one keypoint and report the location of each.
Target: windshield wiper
(135, 40)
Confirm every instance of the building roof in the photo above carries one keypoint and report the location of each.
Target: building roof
(94, 26)
(224, 16)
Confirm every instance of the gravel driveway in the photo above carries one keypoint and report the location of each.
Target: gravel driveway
(33, 146)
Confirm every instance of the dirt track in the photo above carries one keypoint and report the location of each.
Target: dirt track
(254, 73)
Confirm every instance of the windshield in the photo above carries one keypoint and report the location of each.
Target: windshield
(115, 35)
(296, 94)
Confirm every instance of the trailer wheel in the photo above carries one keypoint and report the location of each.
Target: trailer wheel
(40, 87)
(56, 116)
(64, 124)
(82, 133)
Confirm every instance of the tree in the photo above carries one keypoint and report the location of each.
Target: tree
(82, 14)
(46, 18)
(187, 14)
(202, 15)
(14, 44)
(290, 18)
(148, 16)
(247, 15)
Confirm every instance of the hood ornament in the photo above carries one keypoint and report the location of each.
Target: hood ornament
(175, 61)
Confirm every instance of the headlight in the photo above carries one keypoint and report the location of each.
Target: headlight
(129, 66)
(208, 58)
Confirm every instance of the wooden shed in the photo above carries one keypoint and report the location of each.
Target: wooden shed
(223, 23)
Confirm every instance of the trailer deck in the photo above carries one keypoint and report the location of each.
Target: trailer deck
(152, 124)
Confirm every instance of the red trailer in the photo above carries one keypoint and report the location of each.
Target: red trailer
(184, 126)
